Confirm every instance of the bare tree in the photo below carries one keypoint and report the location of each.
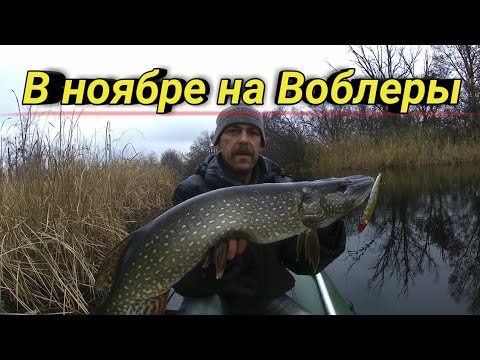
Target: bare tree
(285, 139)
(463, 61)
(426, 115)
(201, 148)
(173, 159)
(328, 122)
(387, 62)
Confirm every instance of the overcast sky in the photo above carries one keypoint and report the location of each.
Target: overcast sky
(158, 133)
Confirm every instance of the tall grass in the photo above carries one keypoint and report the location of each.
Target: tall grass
(412, 148)
(64, 202)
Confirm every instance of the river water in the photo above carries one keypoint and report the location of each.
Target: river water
(420, 254)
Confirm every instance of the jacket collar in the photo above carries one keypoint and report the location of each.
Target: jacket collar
(216, 175)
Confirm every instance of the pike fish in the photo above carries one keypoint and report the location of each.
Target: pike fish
(137, 274)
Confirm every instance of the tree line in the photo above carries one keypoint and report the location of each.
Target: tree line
(290, 131)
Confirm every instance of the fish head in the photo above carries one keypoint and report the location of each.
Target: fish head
(326, 200)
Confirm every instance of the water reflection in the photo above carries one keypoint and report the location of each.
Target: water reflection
(423, 239)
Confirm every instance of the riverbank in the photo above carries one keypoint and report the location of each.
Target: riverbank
(411, 149)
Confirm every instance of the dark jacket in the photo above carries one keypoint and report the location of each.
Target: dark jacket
(260, 273)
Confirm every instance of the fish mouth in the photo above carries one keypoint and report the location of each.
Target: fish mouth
(350, 186)
(358, 188)
(338, 196)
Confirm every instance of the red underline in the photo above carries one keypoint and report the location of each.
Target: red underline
(215, 113)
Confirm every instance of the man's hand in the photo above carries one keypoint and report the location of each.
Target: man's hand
(223, 252)
(236, 247)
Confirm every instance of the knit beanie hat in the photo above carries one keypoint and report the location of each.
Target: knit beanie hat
(239, 114)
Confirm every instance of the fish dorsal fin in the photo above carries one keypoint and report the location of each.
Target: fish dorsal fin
(151, 306)
(107, 271)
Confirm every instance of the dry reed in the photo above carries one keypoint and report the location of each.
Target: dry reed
(64, 202)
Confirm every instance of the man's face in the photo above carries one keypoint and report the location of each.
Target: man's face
(240, 145)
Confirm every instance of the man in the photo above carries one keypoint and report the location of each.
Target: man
(252, 278)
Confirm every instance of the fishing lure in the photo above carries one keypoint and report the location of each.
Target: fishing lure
(372, 202)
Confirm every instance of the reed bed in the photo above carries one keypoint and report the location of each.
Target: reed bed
(413, 148)
(65, 201)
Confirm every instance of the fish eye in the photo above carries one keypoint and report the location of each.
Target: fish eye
(342, 188)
